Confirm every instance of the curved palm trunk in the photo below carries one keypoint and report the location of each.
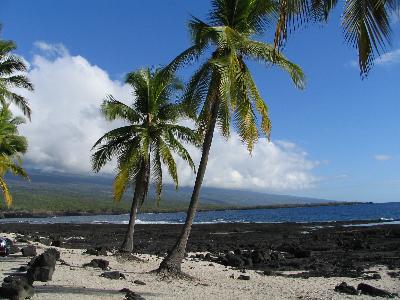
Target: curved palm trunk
(172, 263)
(140, 192)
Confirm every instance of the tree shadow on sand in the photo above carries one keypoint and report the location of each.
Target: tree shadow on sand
(57, 289)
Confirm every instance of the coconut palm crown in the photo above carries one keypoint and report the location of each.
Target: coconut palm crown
(366, 24)
(12, 146)
(11, 77)
(222, 91)
(149, 139)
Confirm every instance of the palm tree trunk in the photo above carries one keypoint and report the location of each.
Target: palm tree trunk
(140, 190)
(172, 263)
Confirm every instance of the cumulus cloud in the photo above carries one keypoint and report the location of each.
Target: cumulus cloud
(389, 58)
(66, 122)
(383, 157)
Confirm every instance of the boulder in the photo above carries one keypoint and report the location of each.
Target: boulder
(98, 263)
(42, 267)
(367, 289)
(16, 288)
(113, 275)
(139, 282)
(244, 277)
(29, 251)
(346, 289)
(54, 252)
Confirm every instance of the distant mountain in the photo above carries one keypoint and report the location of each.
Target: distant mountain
(66, 192)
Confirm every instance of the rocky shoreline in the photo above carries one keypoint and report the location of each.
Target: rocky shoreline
(318, 249)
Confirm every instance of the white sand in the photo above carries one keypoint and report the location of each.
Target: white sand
(211, 282)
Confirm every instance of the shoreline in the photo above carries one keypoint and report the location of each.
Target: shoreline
(50, 214)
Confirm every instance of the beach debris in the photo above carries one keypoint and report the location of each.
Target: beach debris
(244, 277)
(16, 287)
(131, 295)
(42, 267)
(29, 251)
(139, 282)
(113, 275)
(98, 263)
(367, 289)
(344, 288)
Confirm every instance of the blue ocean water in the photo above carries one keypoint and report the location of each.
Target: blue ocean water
(389, 212)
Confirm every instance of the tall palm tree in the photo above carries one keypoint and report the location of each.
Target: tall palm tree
(10, 77)
(12, 146)
(222, 90)
(148, 141)
(366, 23)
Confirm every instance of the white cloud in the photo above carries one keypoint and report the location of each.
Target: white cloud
(389, 58)
(382, 157)
(66, 122)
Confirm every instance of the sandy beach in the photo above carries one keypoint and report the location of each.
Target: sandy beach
(210, 280)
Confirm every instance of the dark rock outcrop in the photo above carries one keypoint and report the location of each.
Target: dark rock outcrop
(346, 289)
(113, 275)
(16, 288)
(29, 251)
(98, 263)
(42, 267)
(367, 289)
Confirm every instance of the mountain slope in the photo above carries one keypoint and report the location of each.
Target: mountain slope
(65, 192)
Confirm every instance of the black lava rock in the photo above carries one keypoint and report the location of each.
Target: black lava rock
(42, 267)
(29, 251)
(56, 243)
(98, 263)
(367, 289)
(113, 275)
(16, 288)
(346, 289)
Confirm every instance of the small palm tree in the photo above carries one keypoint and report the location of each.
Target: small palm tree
(148, 141)
(12, 146)
(222, 91)
(366, 23)
(11, 64)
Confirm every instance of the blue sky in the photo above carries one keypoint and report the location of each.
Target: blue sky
(349, 128)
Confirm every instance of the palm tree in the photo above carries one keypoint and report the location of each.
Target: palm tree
(12, 146)
(148, 141)
(366, 23)
(9, 65)
(222, 90)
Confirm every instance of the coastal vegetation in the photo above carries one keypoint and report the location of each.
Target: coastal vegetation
(149, 140)
(12, 144)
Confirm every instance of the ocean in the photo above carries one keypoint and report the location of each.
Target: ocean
(382, 212)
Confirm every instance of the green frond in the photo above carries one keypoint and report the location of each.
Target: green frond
(113, 109)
